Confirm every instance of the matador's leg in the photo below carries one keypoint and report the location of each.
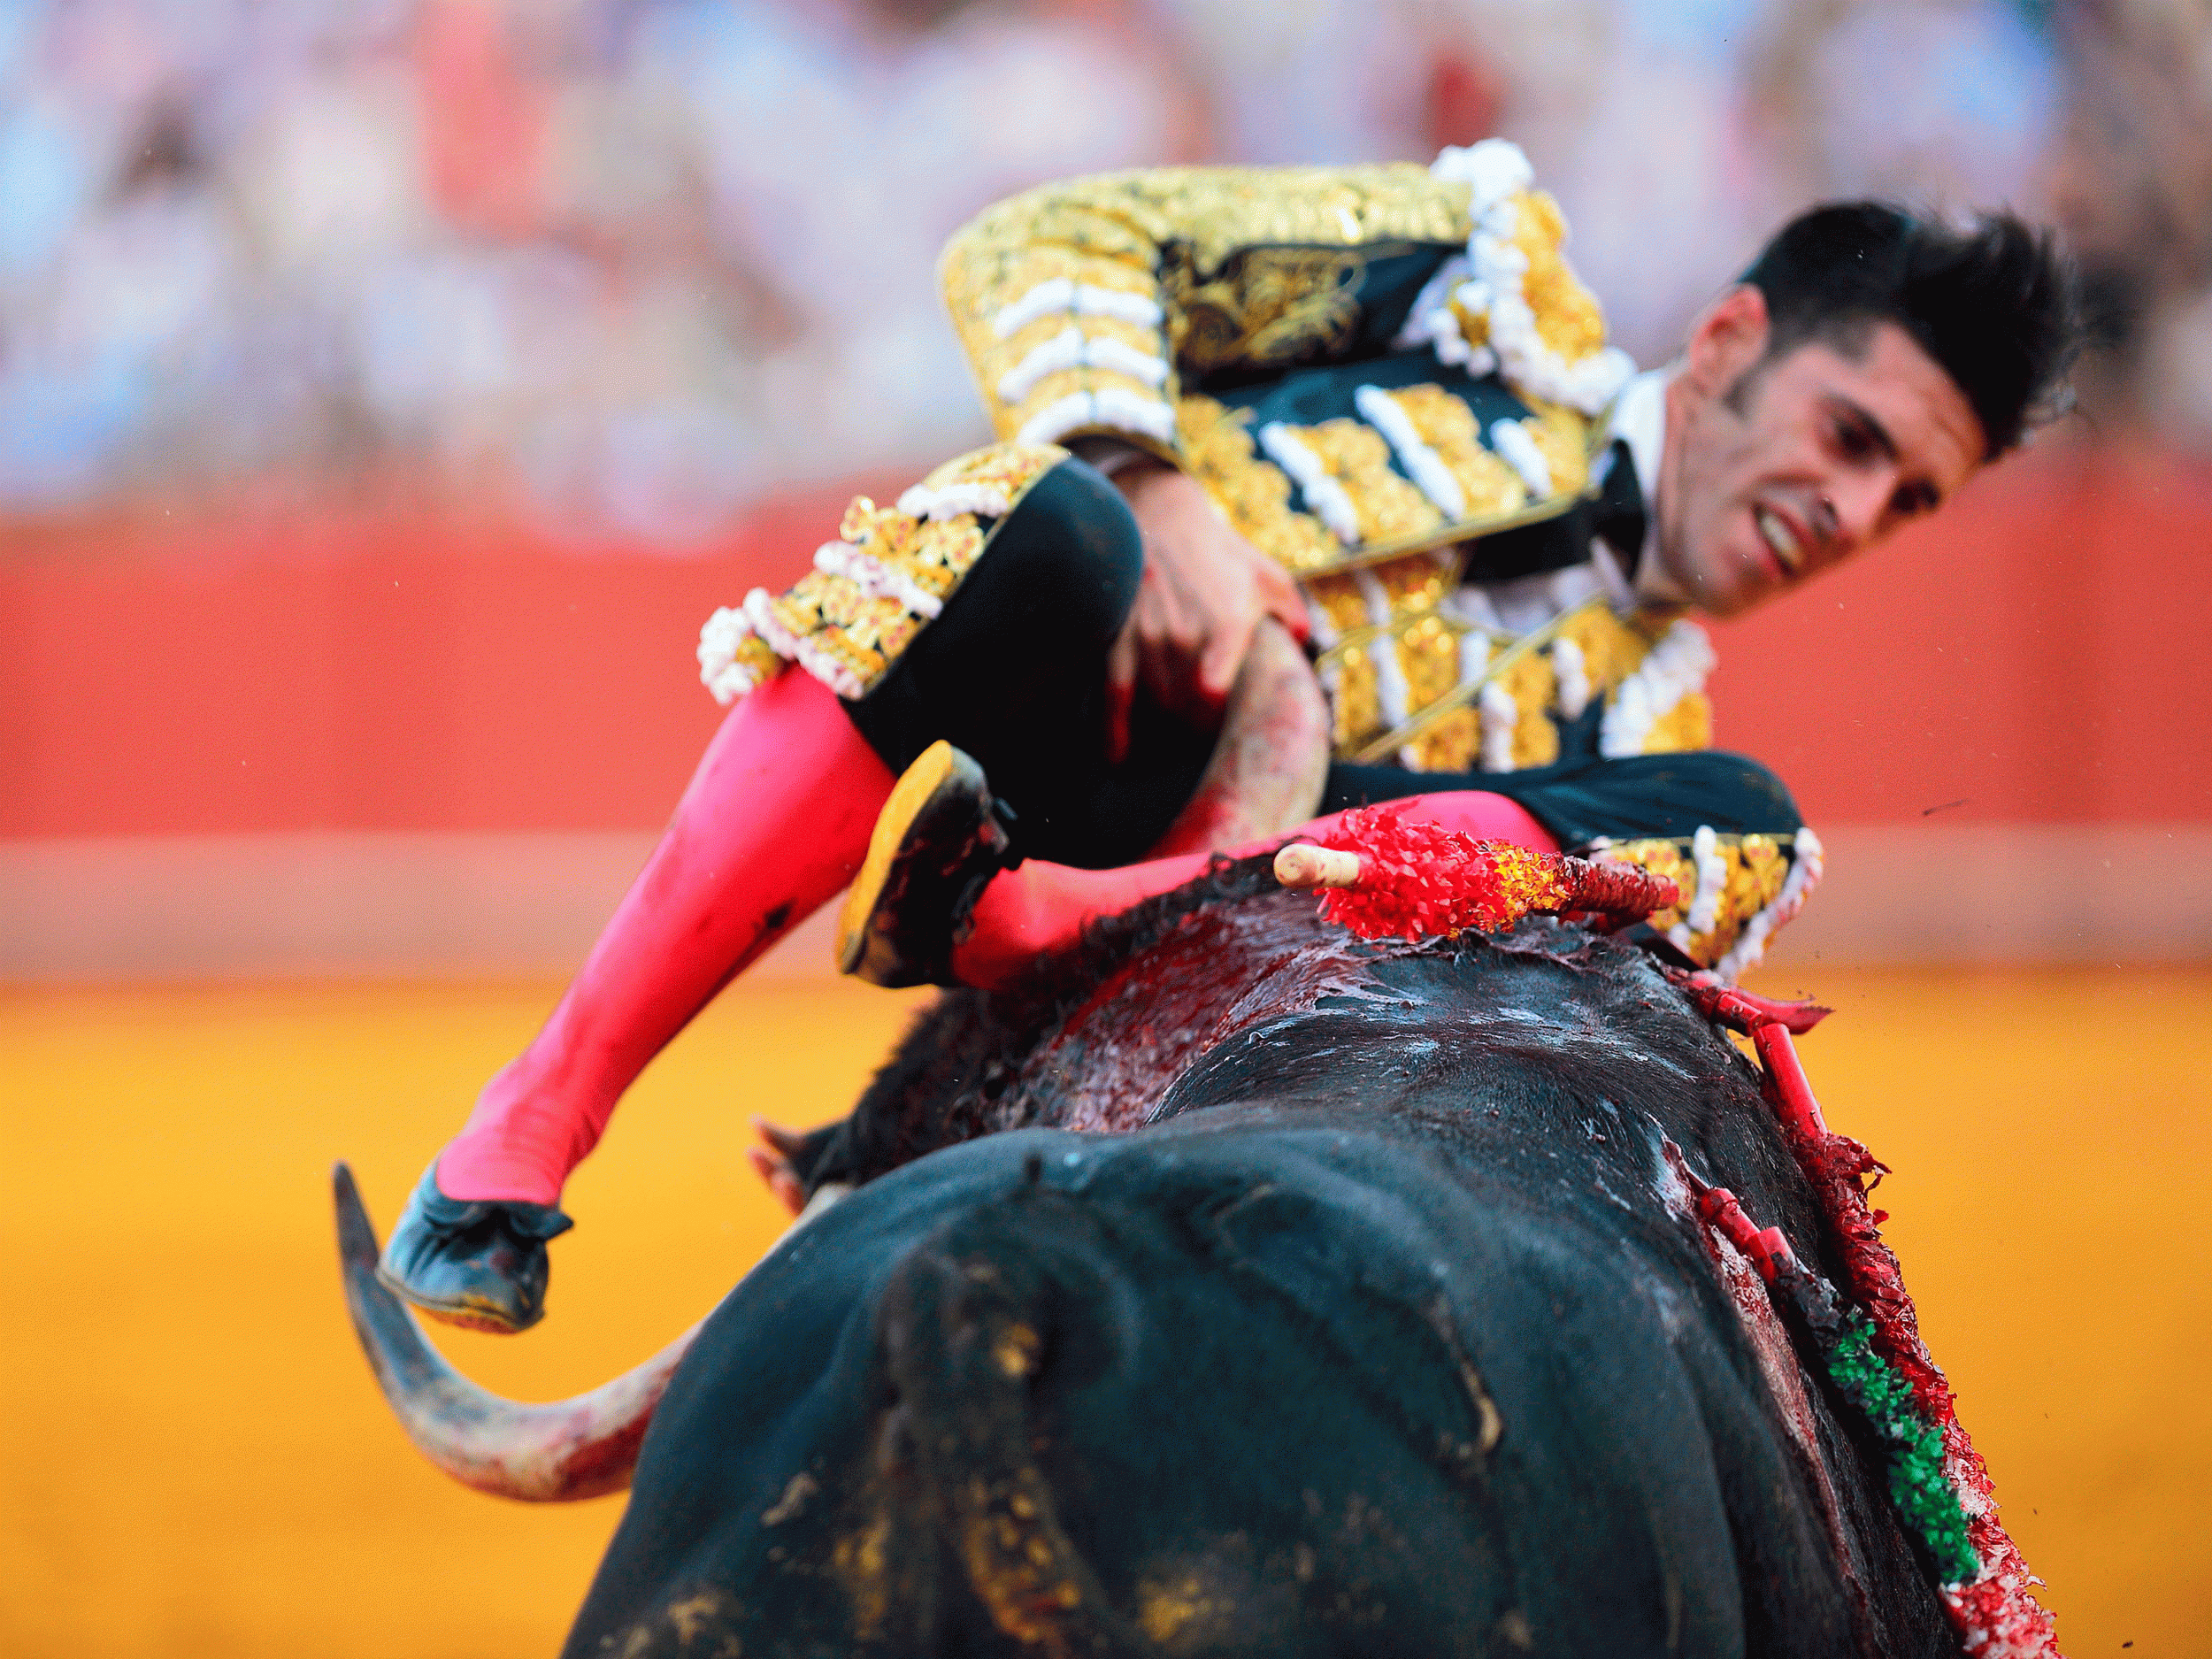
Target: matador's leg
(934, 903)
(980, 610)
(941, 899)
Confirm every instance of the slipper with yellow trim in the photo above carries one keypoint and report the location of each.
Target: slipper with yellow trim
(938, 842)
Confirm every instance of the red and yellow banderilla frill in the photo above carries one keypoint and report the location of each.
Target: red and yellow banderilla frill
(1386, 875)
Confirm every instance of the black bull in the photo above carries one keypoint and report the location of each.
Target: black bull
(1388, 1331)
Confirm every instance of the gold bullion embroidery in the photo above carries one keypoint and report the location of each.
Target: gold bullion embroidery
(1503, 668)
(1755, 867)
(1348, 678)
(1447, 425)
(757, 658)
(1563, 438)
(1339, 599)
(1451, 743)
(861, 635)
(1411, 587)
(844, 627)
(1428, 656)
(1567, 316)
(1297, 235)
(1389, 508)
(1529, 682)
(1220, 453)
(1612, 647)
(1569, 319)
(1273, 305)
(1688, 724)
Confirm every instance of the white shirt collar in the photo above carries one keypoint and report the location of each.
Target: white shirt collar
(1639, 419)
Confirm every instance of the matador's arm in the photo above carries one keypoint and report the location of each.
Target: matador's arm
(1093, 307)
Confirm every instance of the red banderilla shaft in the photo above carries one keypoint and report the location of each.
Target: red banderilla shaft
(1619, 890)
(1788, 1090)
(1769, 1252)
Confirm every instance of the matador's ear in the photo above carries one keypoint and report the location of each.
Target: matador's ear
(1729, 336)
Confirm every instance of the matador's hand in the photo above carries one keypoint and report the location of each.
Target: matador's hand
(1205, 589)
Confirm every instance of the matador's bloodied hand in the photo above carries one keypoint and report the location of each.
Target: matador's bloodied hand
(1204, 590)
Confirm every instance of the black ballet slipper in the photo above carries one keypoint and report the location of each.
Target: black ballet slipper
(479, 1264)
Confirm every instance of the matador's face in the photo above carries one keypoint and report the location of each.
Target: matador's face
(1776, 469)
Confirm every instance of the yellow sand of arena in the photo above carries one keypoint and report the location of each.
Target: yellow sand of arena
(192, 1460)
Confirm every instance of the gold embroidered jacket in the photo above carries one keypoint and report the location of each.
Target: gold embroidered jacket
(1368, 368)
(1382, 375)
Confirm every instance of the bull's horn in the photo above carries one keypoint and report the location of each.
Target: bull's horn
(543, 1453)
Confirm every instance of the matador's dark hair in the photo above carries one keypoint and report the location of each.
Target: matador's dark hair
(1996, 303)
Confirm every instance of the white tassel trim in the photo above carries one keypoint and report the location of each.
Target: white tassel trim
(1519, 451)
(1044, 300)
(950, 501)
(1392, 695)
(1807, 861)
(1435, 324)
(1433, 302)
(1320, 626)
(1072, 348)
(729, 627)
(1323, 493)
(1531, 364)
(1496, 172)
(1474, 657)
(719, 670)
(1058, 418)
(1674, 668)
(1140, 309)
(1113, 406)
(1422, 463)
(758, 612)
(1712, 881)
(1121, 358)
(1501, 718)
(1574, 675)
(1132, 411)
(1493, 170)
(1374, 596)
(874, 578)
(1064, 293)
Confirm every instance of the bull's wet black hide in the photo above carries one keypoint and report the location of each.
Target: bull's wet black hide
(1385, 1340)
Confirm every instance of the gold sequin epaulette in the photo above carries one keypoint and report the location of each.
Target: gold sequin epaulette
(887, 576)
(1092, 306)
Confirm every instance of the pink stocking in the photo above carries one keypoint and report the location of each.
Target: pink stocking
(774, 822)
(1039, 907)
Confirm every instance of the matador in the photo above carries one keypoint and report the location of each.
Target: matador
(1349, 440)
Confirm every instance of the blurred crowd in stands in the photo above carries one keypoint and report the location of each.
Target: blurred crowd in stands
(636, 261)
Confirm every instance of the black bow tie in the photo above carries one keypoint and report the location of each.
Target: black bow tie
(1618, 519)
